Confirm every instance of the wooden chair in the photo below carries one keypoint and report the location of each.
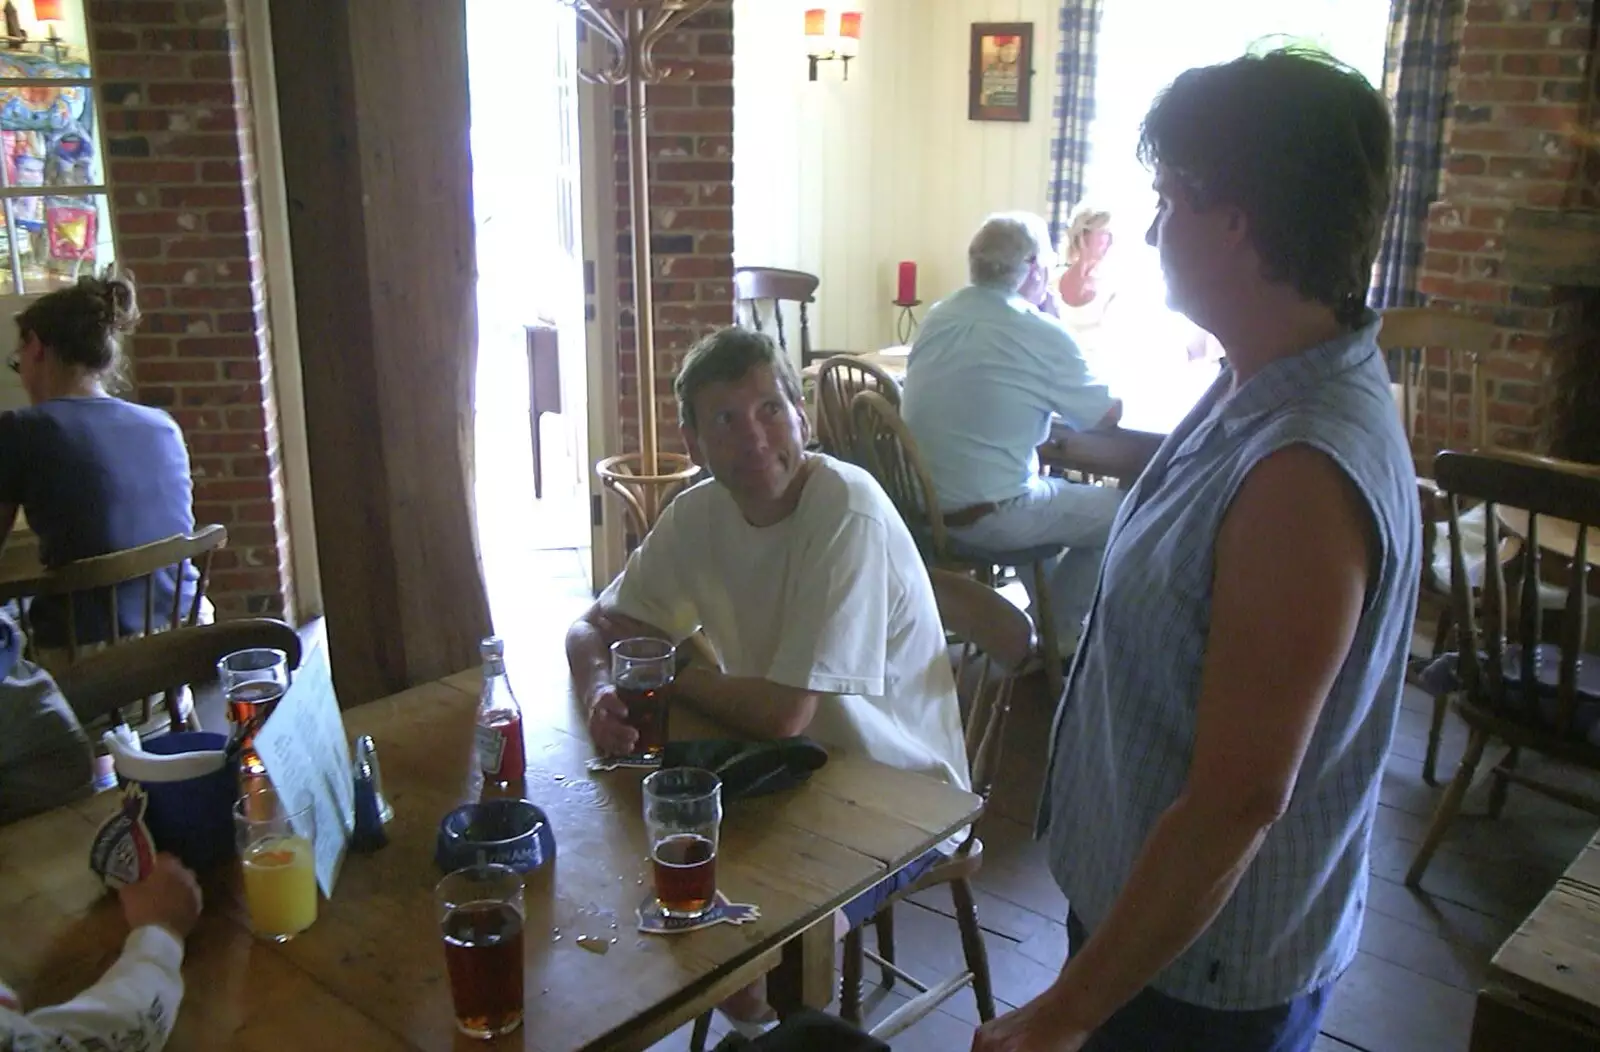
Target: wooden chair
(996, 642)
(101, 580)
(1438, 356)
(839, 380)
(101, 683)
(1509, 684)
(755, 286)
(885, 447)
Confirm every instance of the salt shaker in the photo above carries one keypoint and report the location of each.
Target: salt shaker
(368, 834)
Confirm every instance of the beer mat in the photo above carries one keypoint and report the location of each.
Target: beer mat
(122, 852)
(612, 763)
(653, 922)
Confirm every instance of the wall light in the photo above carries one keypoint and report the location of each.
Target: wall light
(832, 34)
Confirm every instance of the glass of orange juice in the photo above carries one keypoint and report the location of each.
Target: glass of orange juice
(280, 879)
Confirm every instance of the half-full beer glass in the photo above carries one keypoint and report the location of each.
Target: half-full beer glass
(683, 818)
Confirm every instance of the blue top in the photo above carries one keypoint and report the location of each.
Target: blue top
(985, 376)
(97, 475)
(1125, 732)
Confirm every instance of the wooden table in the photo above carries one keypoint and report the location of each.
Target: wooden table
(1543, 987)
(1557, 536)
(370, 973)
(1119, 453)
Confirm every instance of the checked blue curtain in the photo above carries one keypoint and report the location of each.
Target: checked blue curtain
(1073, 110)
(1416, 75)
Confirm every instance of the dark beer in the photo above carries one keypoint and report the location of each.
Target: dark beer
(483, 951)
(249, 705)
(686, 874)
(646, 700)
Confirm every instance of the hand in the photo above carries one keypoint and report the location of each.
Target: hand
(169, 896)
(608, 722)
(1038, 1026)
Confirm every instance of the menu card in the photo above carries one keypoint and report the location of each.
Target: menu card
(307, 755)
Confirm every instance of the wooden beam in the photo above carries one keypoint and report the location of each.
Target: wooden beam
(1553, 247)
(376, 161)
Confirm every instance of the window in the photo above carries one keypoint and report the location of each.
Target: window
(56, 222)
(1157, 359)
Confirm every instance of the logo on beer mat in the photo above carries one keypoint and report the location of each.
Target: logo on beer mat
(122, 852)
(653, 922)
(612, 763)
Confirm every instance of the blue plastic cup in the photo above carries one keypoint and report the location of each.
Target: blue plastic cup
(193, 818)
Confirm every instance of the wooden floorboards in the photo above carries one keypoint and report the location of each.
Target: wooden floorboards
(1422, 956)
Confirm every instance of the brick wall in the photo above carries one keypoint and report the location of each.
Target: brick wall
(691, 199)
(175, 113)
(1522, 90)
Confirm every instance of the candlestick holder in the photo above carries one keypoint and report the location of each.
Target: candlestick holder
(906, 325)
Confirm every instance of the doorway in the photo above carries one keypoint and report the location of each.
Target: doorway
(532, 390)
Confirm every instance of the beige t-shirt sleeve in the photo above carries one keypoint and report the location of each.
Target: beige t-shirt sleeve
(653, 586)
(834, 638)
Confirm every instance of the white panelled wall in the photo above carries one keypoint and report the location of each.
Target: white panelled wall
(845, 179)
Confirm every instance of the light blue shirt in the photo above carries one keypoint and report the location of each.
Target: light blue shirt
(1125, 733)
(986, 374)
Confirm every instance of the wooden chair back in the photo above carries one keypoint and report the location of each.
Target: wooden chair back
(884, 446)
(839, 380)
(96, 580)
(997, 642)
(1438, 356)
(1502, 664)
(103, 682)
(758, 289)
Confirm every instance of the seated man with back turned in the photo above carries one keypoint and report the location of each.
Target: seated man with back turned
(990, 368)
(800, 574)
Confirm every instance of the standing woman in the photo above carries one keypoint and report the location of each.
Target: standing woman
(1218, 753)
(94, 473)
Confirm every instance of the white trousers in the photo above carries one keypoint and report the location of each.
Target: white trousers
(1055, 511)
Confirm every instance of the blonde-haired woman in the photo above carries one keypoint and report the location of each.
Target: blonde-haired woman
(1087, 242)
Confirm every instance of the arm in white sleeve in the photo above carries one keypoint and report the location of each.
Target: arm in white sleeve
(131, 1009)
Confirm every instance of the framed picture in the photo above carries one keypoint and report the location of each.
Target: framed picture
(1002, 71)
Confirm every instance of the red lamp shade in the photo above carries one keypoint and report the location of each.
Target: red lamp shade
(47, 10)
(831, 33)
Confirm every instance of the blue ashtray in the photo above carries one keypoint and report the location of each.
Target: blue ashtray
(513, 833)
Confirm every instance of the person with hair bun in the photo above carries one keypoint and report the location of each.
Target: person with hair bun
(94, 473)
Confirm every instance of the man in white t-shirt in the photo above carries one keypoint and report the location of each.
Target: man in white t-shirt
(801, 575)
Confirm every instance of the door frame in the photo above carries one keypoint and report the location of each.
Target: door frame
(601, 307)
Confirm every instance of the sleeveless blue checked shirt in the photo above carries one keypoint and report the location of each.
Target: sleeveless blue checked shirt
(1124, 734)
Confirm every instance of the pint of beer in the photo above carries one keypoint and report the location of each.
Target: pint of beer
(481, 919)
(682, 818)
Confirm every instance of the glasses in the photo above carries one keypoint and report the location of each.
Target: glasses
(252, 682)
(683, 817)
(280, 877)
(642, 669)
(481, 920)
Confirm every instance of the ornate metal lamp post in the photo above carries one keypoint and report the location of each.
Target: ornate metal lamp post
(645, 480)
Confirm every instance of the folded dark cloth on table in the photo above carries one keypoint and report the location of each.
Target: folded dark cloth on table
(749, 768)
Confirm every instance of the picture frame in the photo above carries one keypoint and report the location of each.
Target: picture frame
(1000, 78)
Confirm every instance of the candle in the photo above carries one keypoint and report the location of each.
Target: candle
(907, 289)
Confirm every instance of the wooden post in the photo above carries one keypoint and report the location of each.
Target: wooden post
(379, 179)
